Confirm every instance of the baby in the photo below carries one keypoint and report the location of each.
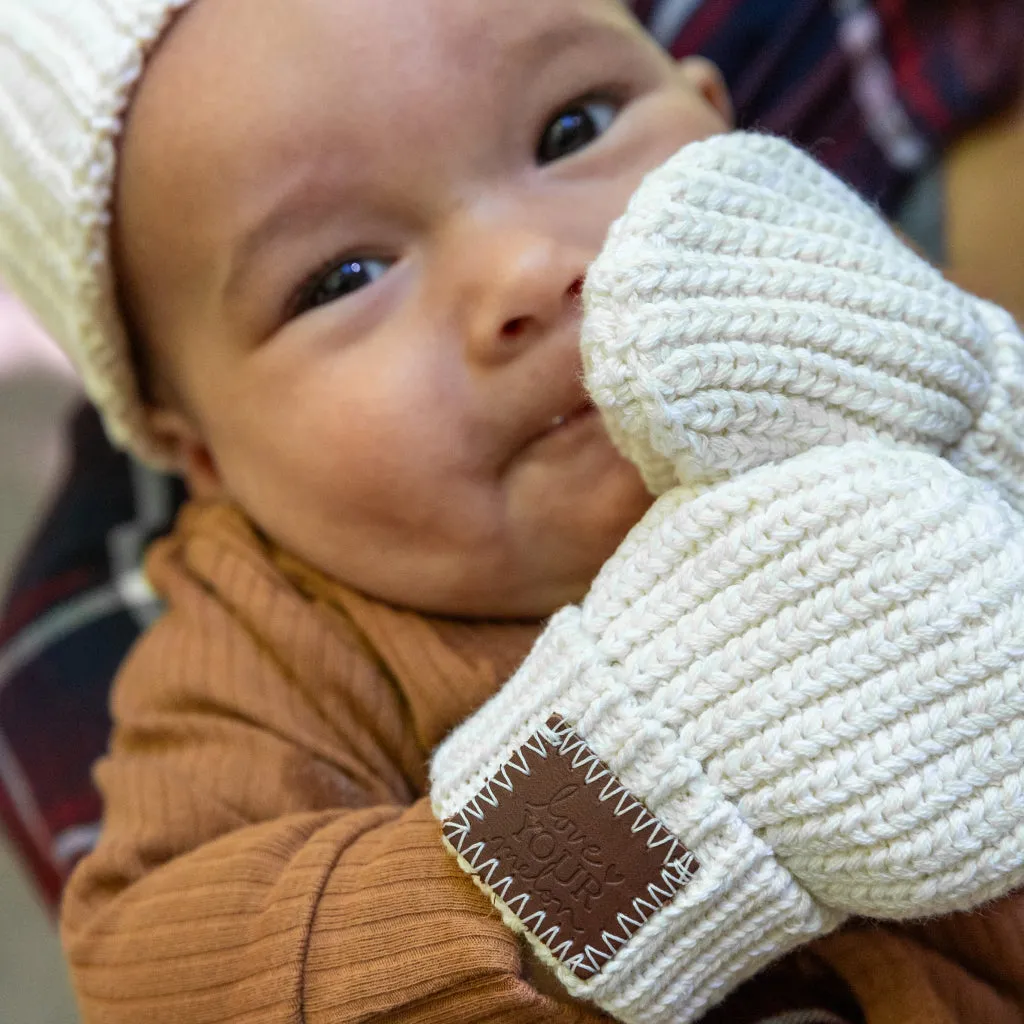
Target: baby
(339, 291)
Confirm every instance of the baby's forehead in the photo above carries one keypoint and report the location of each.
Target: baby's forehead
(360, 30)
(234, 71)
(228, 59)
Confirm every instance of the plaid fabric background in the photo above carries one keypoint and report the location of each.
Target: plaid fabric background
(76, 605)
(875, 92)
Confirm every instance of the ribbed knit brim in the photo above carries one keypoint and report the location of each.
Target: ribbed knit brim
(68, 69)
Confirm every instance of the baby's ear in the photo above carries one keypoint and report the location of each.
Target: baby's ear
(704, 77)
(749, 306)
(188, 452)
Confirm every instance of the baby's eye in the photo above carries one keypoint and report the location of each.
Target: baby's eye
(575, 128)
(340, 280)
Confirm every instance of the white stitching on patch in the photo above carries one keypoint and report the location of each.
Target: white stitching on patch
(678, 868)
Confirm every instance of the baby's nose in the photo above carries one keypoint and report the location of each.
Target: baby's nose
(516, 287)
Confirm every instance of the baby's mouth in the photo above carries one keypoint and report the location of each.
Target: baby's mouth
(561, 430)
(583, 409)
(557, 426)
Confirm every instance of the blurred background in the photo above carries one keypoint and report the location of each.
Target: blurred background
(37, 391)
(33, 984)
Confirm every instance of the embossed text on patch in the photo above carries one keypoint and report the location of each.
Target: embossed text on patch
(579, 860)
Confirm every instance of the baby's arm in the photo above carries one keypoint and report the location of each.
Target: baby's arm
(262, 857)
(750, 310)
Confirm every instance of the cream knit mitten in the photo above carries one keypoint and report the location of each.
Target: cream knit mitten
(796, 692)
(749, 306)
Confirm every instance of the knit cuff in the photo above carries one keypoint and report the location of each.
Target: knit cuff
(555, 802)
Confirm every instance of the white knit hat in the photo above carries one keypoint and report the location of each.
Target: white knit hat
(749, 306)
(68, 69)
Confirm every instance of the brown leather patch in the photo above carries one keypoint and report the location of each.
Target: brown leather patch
(579, 860)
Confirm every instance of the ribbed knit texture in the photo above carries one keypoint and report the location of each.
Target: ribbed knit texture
(813, 675)
(267, 857)
(807, 661)
(67, 72)
(750, 306)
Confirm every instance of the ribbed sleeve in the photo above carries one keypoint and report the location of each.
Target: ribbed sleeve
(264, 856)
(337, 916)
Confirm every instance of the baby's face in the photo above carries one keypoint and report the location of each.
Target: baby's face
(353, 234)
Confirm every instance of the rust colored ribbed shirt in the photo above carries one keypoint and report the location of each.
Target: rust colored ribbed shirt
(268, 854)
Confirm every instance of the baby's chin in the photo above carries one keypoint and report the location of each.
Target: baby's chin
(506, 548)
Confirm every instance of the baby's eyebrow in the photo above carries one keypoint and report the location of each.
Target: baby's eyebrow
(253, 241)
(295, 211)
(568, 34)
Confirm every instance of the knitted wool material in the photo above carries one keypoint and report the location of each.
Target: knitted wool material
(811, 676)
(801, 674)
(750, 306)
(68, 69)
